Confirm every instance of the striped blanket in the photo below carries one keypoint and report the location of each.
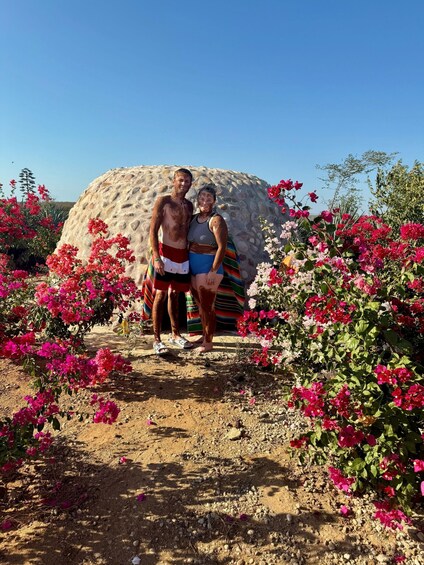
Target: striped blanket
(230, 297)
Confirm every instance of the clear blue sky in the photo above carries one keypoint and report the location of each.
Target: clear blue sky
(266, 87)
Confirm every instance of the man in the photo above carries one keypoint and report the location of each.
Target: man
(168, 239)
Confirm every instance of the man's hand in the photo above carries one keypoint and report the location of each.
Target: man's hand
(159, 267)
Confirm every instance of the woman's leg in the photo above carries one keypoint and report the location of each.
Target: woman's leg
(207, 295)
(195, 294)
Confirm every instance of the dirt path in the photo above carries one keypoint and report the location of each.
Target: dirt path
(207, 478)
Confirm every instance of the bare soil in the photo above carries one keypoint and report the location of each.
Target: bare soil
(206, 443)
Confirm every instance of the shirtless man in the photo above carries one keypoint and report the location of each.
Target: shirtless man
(168, 240)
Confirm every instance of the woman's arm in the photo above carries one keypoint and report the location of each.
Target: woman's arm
(219, 228)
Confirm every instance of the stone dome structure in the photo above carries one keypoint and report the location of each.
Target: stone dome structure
(124, 198)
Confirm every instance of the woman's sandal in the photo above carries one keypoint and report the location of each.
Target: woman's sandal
(180, 342)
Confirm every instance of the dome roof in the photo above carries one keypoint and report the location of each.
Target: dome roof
(124, 198)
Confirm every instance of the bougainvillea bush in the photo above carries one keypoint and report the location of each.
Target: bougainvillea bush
(42, 325)
(28, 231)
(342, 303)
(80, 294)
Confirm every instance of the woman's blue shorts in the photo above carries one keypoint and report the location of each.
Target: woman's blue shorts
(202, 263)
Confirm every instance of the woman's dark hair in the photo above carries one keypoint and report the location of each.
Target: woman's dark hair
(207, 188)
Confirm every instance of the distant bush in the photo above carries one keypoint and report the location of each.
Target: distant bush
(29, 228)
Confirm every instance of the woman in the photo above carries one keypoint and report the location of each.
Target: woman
(207, 237)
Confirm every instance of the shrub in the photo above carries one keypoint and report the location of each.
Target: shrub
(342, 303)
(28, 232)
(42, 324)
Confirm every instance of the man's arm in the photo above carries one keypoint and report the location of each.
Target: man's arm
(155, 224)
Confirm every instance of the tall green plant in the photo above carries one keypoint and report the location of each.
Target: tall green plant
(27, 182)
(343, 179)
(399, 195)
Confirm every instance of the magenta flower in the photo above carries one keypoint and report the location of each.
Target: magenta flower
(390, 517)
(349, 437)
(327, 216)
(339, 480)
(418, 465)
(345, 511)
(141, 497)
(371, 440)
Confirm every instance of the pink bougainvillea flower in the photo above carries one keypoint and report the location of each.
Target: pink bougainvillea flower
(412, 231)
(123, 460)
(399, 558)
(390, 491)
(96, 226)
(141, 497)
(418, 465)
(339, 480)
(345, 511)
(371, 440)
(327, 216)
(252, 401)
(422, 488)
(242, 391)
(299, 443)
(149, 422)
(390, 517)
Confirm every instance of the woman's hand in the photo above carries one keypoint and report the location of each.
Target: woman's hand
(210, 277)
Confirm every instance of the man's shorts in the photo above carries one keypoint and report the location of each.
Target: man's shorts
(202, 263)
(177, 276)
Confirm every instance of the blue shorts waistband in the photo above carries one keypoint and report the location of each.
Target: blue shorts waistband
(202, 263)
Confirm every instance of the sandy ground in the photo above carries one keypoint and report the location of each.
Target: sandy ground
(207, 476)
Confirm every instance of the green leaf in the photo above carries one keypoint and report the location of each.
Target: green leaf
(361, 327)
(391, 337)
(357, 464)
(374, 470)
(56, 424)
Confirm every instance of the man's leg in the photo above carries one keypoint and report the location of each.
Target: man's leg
(173, 297)
(157, 313)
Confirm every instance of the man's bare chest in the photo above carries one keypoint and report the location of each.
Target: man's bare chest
(175, 214)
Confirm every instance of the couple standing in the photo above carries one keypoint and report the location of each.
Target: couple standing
(187, 253)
